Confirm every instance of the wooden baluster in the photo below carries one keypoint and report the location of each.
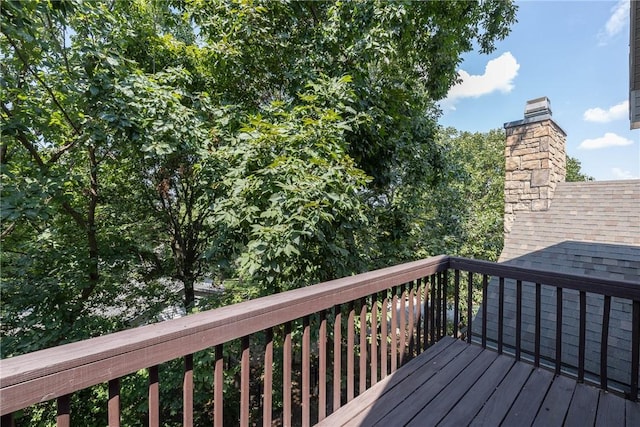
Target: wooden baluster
(582, 337)
(635, 350)
(362, 374)
(485, 284)
(394, 329)
(432, 311)
(337, 358)
(114, 403)
(267, 400)
(286, 376)
(456, 302)
(444, 284)
(187, 391)
(425, 316)
(558, 330)
(411, 329)
(384, 335)
(154, 397)
(351, 353)
(419, 301)
(374, 339)
(218, 387)
(64, 411)
(500, 313)
(245, 371)
(518, 319)
(536, 357)
(469, 305)
(306, 371)
(403, 324)
(438, 309)
(604, 342)
(7, 421)
(322, 368)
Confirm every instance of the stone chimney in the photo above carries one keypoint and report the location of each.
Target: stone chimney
(535, 161)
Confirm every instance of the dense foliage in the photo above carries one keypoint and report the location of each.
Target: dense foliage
(574, 172)
(149, 145)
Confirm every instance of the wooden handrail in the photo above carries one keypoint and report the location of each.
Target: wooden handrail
(43, 375)
(63, 370)
(615, 288)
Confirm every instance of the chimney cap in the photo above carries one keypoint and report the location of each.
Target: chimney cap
(536, 110)
(537, 107)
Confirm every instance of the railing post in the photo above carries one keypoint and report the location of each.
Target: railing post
(362, 374)
(438, 309)
(518, 319)
(218, 387)
(445, 284)
(402, 324)
(411, 321)
(500, 313)
(351, 353)
(394, 329)
(7, 421)
(635, 350)
(114, 403)
(244, 383)
(322, 369)
(154, 397)
(267, 401)
(384, 335)
(456, 302)
(558, 330)
(374, 339)
(432, 309)
(582, 335)
(469, 306)
(286, 376)
(187, 392)
(337, 358)
(64, 411)
(536, 357)
(419, 319)
(485, 284)
(604, 342)
(306, 374)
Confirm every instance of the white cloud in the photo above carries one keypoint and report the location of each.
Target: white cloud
(616, 22)
(608, 140)
(499, 74)
(618, 111)
(623, 174)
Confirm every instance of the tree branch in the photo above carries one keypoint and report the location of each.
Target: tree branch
(44, 85)
(8, 230)
(20, 136)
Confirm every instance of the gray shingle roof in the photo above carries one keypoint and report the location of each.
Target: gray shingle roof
(605, 212)
(591, 228)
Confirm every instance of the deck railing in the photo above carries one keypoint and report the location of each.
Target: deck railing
(332, 341)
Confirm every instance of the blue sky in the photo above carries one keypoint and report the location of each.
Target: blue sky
(577, 54)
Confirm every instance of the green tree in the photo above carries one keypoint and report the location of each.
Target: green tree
(574, 171)
(115, 114)
(470, 208)
(148, 144)
(291, 191)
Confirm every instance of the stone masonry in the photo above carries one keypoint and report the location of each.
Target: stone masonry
(535, 161)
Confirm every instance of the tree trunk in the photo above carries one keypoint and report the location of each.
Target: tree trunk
(92, 232)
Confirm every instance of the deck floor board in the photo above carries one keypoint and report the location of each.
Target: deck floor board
(454, 383)
(466, 409)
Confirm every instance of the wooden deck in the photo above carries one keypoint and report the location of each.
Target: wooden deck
(459, 384)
